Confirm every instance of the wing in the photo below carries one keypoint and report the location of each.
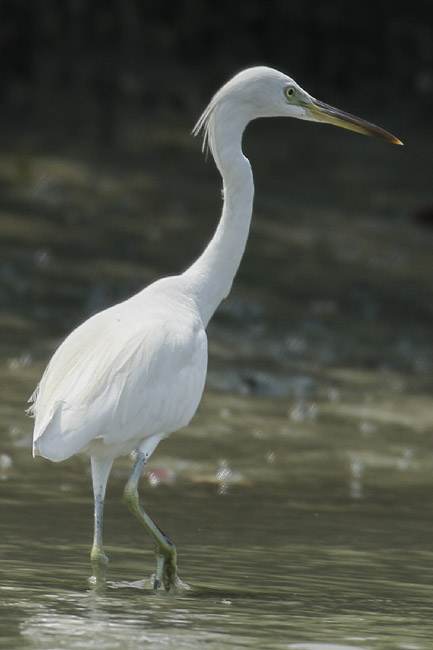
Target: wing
(119, 378)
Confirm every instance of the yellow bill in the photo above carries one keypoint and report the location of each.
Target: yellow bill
(323, 113)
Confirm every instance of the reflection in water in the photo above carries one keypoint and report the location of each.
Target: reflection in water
(300, 496)
(322, 646)
(356, 471)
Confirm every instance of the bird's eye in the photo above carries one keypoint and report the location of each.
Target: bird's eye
(289, 92)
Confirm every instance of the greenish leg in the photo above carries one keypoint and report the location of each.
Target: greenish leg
(166, 556)
(100, 472)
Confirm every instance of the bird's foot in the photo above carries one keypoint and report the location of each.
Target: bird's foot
(166, 570)
(172, 585)
(99, 564)
(98, 557)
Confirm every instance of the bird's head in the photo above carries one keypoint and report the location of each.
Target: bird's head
(265, 92)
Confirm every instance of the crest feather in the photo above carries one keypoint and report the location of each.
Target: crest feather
(203, 126)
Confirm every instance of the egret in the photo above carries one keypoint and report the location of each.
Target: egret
(134, 373)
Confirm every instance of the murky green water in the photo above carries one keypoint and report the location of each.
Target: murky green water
(300, 497)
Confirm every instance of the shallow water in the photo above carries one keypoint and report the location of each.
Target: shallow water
(300, 497)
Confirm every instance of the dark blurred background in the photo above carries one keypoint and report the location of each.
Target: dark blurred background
(103, 189)
(110, 56)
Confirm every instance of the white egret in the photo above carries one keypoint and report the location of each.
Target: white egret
(134, 373)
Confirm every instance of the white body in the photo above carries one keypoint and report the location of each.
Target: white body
(134, 373)
(131, 372)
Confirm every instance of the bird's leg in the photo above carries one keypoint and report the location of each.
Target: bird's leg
(100, 472)
(166, 556)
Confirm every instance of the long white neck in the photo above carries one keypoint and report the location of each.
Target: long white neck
(210, 277)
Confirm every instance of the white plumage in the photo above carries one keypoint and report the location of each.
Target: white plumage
(135, 373)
